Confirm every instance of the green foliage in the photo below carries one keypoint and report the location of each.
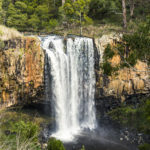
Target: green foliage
(138, 43)
(28, 15)
(102, 8)
(132, 47)
(108, 53)
(132, 58)
(21, 6)
(17, 18)
(28, 130)
(2, 44)
(83, 147)
(107, 68)
(20, 129)
(20, 135)
(54, 144)
(123, 114)
(76, 12)
(5, 4)
(18, 21)
(1, 12)
(138, 118)
(144, 146)
(1, 33)
(34, 22)
(53, 23)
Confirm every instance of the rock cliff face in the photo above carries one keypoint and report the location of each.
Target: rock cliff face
(21, 71)
(126, 82)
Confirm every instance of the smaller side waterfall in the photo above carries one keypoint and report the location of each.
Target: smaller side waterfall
(70, 83)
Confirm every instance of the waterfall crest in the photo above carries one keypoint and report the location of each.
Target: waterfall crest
(70, 83)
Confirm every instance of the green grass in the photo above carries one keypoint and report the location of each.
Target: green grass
(20, 128)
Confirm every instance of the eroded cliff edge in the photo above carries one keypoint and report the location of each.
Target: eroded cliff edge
(21, 71)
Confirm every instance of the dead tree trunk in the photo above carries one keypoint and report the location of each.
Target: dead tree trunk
(131, 8)
(124, 14)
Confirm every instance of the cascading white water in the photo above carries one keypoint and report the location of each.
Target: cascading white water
(70, 83)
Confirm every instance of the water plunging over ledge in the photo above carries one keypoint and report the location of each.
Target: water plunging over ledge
(70, 84)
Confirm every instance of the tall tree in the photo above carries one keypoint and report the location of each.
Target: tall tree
(17, 16)
(124, 14)
(99, 9)
(132, 6)
(76, 12)
(1, 20)
(63, 2)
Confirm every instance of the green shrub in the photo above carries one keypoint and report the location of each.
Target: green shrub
(108, 53)
(54, 144)
(27, 130)
(20, 136)
(1, 33)
(132, 59)
(83, 147)
(2, 44)
(53, 23)
(136, 45)
(107, 68)
(144, 147)
(137, 118)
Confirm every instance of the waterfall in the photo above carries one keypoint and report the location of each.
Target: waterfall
(70, 83)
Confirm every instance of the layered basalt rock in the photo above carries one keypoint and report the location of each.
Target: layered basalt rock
(125, 83)
(21, 71)
(22, 74)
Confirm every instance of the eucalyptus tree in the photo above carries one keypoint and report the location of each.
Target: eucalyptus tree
(77, 12)
(132, 6)
(124, 14)
(17, 15)
(1, 12)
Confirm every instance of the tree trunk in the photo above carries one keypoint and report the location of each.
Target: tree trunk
(124, 14)
(131, 8)
(13, 1)
(80, 23)
(63, 2)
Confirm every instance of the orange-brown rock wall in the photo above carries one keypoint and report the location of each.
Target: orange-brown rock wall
(126, 81)
(21, 71)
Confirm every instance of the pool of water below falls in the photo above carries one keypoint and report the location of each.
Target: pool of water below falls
(106, 137)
